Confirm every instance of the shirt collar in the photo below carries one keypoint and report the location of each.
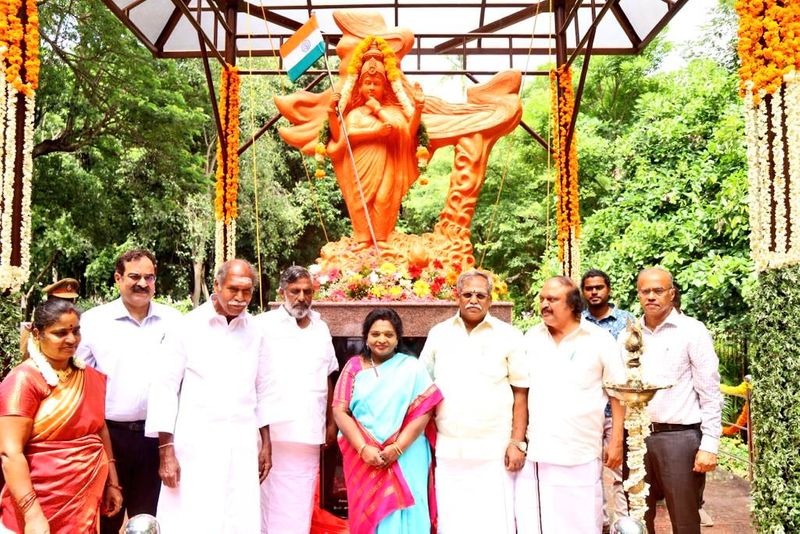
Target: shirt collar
(672, 319)
(489, 321)
(611, 315)
(211, 313)
(287, 317)
(121, 312)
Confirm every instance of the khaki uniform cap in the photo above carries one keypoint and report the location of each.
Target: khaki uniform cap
(66, 288)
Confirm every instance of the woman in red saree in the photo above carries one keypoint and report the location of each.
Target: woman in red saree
(383, 403)
(54, 444)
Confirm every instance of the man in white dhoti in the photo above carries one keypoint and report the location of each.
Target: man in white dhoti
(478, 363)
(206, 406)
(559, 491)
(301, 358)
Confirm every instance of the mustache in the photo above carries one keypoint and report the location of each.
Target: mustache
(140, 289)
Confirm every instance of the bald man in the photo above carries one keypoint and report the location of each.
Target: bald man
(686, 418)
(206, 405)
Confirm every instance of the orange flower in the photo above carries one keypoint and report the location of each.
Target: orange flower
(566, 164)
(769, 43)
(19, 36)
(227, 175)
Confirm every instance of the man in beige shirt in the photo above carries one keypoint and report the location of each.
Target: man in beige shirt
(478, 363)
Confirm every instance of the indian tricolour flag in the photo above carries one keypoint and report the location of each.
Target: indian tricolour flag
(303, 48)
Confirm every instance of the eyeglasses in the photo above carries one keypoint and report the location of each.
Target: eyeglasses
(479, 296)
(136, 278)
(657, 290)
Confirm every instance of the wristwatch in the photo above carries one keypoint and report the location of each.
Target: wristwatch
(521, 445)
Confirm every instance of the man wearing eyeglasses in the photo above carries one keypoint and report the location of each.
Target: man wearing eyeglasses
(686, 418)
(299, 349)
(122, 339)
(479, 364)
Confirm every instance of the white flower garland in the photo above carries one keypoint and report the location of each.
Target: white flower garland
(219, 244)
(7, 272)
(44, 367)
(27, 179)
(785, 131)
(791, 107)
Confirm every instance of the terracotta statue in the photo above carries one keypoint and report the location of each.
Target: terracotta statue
(383, 139)
(382, 114)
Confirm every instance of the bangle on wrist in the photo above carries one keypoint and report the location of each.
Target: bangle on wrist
(361, 450)
(115, 486)
(163, 445)
(397, 448)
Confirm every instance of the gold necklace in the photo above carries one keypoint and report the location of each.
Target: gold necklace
(63, 374)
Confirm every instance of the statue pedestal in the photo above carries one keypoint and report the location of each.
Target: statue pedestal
(345, 319)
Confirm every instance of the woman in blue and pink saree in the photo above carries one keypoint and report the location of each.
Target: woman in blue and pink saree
(383, 403)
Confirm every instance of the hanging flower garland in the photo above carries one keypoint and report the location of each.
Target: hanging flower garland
(19, 61)
(769, 50)
(566, 164)
(395, 77)
(227, 176)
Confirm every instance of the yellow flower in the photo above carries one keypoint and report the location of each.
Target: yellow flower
(395, 291)
(421, 288)
(319, 173)
(387, 268)
(377, 291)
(451, 278)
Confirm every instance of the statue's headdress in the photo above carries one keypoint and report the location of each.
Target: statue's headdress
(373, 61)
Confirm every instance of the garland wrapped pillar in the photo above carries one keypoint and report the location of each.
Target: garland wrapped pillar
(568, 218)
(227, 177)
(19, 64)
(769, 49)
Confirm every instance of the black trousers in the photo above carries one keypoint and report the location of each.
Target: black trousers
(669, 462)
(137, 467)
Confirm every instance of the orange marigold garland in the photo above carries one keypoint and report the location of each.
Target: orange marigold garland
(227, 176)
(769, 50)
(566, 165)
(19, 61)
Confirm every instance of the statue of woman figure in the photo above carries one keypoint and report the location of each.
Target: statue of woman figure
(381, 123)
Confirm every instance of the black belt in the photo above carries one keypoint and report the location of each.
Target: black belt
(132, 426)
(670, 427)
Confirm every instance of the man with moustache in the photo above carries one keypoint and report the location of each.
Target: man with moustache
(559, 490)
(301, 358)
(122, 339)
(596, 287)
(686, 418)
(207, 402)
(476, 361)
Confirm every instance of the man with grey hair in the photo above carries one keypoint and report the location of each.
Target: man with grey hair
(299, 349)
(207, 402)
(478, 363)
(686, 418)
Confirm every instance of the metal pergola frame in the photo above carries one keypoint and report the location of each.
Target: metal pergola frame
(223, 42)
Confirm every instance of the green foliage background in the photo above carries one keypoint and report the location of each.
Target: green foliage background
(776, 401)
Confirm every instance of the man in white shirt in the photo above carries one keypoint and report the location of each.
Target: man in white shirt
(301, 359)
(206, 405)
(686, 418)
(478, 363)
(559, 490)
(122, 339)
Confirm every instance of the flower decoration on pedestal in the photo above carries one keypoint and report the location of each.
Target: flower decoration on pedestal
(769, 49)
(19, 63)
(388, 282)
(227, 177)
(568, 219)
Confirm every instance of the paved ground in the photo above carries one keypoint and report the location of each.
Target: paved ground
(727, 500)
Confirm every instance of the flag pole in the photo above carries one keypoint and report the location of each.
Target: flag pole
(351, 157)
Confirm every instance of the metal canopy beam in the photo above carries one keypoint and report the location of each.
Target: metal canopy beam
(499, 24)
